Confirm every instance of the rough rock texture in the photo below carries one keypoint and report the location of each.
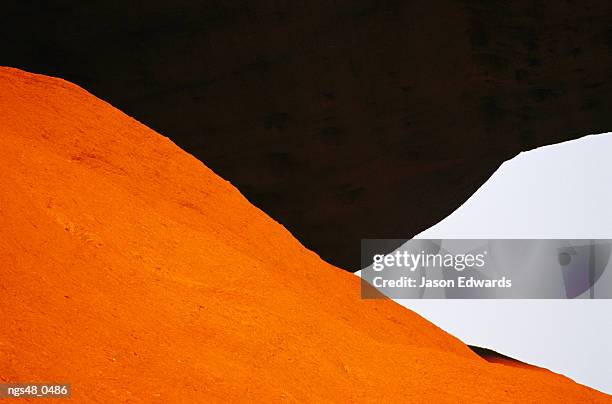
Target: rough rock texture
(134, 272)
(341, 119)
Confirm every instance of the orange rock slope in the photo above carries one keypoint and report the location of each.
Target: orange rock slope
(132, 271)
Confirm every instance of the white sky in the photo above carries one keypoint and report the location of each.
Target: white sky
(558, 191)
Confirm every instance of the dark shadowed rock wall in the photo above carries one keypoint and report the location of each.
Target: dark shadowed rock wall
(341, 119)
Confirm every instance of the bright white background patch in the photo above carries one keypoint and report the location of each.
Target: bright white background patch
(558, 191)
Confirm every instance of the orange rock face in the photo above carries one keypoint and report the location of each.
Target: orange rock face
(132, 271)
